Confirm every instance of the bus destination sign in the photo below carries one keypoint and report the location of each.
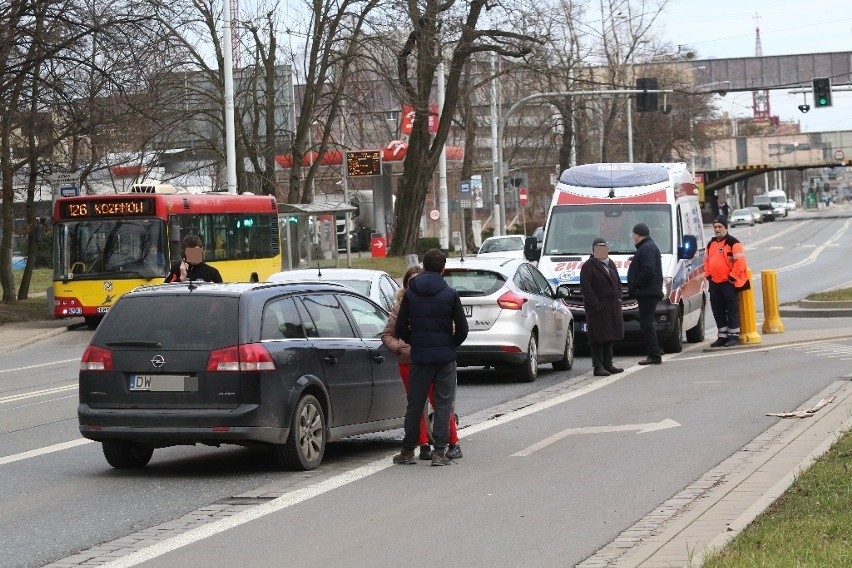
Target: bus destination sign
(106, 208)
(364, 163)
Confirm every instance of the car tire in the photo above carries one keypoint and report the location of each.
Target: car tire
(696, 334)
(305, 445)
(92, 322)
(529, 368)
(121, 454)
(674, 342)
(567, 361)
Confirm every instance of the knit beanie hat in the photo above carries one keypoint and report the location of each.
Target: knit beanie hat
(641, 229)
(722, 220)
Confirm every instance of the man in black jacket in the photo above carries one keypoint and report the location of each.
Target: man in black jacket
(645, 283)
(432, 321)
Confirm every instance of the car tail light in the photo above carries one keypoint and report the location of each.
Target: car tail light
(96, 359)
(511, 301)
(247, 357)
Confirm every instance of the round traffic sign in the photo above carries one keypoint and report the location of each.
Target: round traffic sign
(434, 214)
(839, 155)
(522, 196)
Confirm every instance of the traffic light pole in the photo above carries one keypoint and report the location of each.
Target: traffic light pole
(503, 122)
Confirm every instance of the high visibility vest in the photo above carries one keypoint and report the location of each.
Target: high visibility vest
(725, 261)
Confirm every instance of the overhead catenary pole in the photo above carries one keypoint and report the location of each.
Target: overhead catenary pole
(230, 136)
(444, 219)
(495, 154)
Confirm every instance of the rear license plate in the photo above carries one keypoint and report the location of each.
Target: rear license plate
(163, 383)
(468, 310)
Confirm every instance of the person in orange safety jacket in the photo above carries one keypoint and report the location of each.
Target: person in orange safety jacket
(727, 272)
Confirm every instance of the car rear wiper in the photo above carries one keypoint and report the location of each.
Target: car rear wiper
(134, 343)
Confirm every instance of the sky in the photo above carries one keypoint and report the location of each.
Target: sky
(726, 28)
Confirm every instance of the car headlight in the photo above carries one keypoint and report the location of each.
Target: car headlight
(667, 287)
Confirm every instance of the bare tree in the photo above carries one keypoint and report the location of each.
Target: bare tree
(425, 48)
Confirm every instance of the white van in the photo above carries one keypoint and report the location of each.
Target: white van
(607, 200)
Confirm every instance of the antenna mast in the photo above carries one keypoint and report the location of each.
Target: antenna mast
(760, 99)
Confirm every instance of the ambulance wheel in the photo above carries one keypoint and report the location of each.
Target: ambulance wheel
(674, 343)
(696, 334)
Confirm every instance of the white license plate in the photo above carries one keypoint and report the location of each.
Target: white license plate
(163, 383)
(468, 310)
(102, 309)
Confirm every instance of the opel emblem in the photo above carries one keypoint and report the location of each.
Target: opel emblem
(158, 361)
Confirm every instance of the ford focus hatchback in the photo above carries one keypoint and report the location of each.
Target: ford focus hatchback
(515, 320)
(287, 366)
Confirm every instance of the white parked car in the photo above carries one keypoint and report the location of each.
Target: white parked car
(741, 217)
(515, 319)
(507, 246)
(791, 205)
(375, 284)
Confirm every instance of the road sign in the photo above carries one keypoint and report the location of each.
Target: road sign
(434, 214)
(839, 155)
(522, 196)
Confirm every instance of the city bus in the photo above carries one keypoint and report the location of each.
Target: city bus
(106, 245)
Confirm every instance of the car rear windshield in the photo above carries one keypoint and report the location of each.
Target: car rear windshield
(174, 322)
(474, 282)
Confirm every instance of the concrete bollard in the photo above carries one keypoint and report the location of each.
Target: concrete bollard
(748, 316)
(771, 313)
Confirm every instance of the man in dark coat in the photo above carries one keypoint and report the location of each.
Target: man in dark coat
(645, 283)
(601, 287)
(431, 320)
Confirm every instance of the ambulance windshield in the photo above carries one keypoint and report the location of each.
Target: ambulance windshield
(572, 229)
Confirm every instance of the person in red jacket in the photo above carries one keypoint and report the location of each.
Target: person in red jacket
(726, 270)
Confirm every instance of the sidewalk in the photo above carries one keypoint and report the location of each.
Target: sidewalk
(16, 335)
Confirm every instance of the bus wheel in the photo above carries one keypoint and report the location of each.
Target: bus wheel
(93, 321)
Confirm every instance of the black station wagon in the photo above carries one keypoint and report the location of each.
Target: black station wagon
(290, 366)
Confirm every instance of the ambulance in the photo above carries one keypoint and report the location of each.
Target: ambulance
(607, 200)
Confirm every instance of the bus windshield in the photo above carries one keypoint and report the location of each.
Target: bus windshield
(572, 229)
(110, 248)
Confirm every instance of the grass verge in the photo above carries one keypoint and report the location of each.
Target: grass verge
(34, 308)
(839, 295)
(809, 526)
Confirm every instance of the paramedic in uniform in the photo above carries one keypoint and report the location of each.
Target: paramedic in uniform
(726, 270)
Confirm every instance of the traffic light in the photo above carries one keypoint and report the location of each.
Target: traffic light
(822, 92)
(646, 102)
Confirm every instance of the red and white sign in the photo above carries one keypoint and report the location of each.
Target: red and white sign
(434, 214)
(407, 119)
(523, 197)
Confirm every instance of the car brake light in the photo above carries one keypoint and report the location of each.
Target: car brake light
(247, 357)
(511, 301)
(96, 359)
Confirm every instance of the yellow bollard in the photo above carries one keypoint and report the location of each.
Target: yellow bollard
(771, 313)
(748, 316)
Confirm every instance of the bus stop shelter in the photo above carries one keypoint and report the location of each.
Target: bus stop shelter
(309, 237)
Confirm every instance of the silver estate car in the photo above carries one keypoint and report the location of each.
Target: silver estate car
(515, 319)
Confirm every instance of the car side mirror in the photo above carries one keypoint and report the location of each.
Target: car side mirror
(687, 248)
(531, 251)
(562, 292)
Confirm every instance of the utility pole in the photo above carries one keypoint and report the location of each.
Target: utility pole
(444, 222)
(230, 130)
(496, 142)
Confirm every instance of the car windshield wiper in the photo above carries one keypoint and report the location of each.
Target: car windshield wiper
(134, 343)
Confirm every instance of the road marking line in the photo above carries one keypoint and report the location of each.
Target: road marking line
(639, 428)
(43, 451)
(33, 394)
(39, 365)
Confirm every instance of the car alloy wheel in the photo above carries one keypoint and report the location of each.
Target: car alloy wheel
(305, 445)
(529, 368)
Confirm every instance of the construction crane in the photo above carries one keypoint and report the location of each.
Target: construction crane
(760, 99)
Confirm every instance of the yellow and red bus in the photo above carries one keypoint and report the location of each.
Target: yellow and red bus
(106, 245)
